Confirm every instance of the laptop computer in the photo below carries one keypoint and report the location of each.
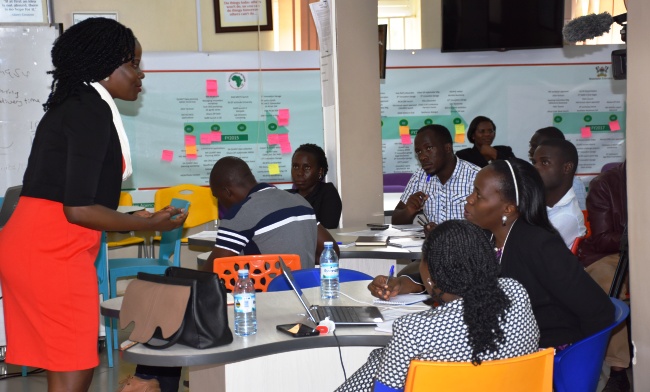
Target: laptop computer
(341, 315)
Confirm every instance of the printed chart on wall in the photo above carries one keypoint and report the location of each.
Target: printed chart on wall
(186, 120)
(571, 89)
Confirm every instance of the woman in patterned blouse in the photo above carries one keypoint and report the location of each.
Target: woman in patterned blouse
(480, 317)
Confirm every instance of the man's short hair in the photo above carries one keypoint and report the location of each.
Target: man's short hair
(567, 150)
(440, 132)
(551, 133)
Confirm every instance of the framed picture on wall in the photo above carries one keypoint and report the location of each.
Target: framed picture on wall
(232, 16)
(80, 16)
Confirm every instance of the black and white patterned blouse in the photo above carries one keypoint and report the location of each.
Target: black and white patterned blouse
(440, 334)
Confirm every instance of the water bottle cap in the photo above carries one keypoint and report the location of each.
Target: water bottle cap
(242, 272)
(328, 243)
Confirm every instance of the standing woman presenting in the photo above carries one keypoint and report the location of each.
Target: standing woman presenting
(70, 192)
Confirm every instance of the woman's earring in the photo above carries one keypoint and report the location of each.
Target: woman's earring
(106, 79)
(503, 220)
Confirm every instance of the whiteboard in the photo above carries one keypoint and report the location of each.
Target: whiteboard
(24, 87)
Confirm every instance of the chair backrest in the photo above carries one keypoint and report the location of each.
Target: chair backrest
(396, 182)
(9, 203)
(261, 268)
(125, 199)
(585, 214)
(576, 245)
(577, 368)
(310, 277)
(203, 206)
(170, 242)
(531, 373)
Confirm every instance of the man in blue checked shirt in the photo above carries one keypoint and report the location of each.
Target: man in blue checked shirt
(441, 185)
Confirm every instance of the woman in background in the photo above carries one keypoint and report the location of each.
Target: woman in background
(71, 188)
(481, 133)
(481, 317)
(308, 171)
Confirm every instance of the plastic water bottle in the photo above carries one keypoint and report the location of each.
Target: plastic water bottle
(329, 272)
(245, 316)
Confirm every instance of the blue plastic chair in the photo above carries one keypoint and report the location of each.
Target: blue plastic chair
(101, 264)
(310, 277)
(170, 247)
(577, 368)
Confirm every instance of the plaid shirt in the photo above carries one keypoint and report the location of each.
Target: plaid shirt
(446, 201)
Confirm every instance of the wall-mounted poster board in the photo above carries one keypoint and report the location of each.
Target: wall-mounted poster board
(24, 87)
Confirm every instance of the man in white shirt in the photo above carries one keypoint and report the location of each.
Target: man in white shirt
(556, 161)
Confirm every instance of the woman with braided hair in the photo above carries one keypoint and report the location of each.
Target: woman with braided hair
(480, 317)
(79, 158)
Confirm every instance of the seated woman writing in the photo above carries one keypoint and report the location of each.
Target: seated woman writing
(508, 201)
(481, 317)
(308, 171)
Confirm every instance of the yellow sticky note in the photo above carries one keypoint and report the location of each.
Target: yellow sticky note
(404, 130)
(459, 138)
(460, 129)
(190, 150)
(274, 169)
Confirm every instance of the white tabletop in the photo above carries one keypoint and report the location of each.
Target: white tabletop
(272, 309)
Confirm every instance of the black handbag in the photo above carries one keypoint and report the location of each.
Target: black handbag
(184, 306)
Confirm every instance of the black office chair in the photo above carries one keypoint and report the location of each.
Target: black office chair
(621, 268)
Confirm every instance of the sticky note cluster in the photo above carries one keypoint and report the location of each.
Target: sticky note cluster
(190, 147)
(283, 117)
(281, 139)
(459, 133)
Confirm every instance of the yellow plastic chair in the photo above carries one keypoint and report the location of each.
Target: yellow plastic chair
(203, 206)
(261, 268)
(528, 373)
(132, 239)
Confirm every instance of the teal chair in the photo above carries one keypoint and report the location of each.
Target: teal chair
(101, 264)
(310, 277)
(169, 255)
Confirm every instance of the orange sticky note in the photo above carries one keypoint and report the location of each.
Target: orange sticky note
(406, 139)
(206, 138)
(190, 140)
(190, 150)
(167, 155)
(283, 117)
(614, 126)
(216, 136)
(585, 132)
(274, 169)
(211, 89)
(404, 130)
(459, 138)
(272, 139)
(285, 148)
(460, 129)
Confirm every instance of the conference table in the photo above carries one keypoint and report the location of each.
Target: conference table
(271, 360)
(373, 260)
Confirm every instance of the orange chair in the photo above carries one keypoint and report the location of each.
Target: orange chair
(127, 200)
(576, 245)
(262, 268)
(530, 373)
(585, 213)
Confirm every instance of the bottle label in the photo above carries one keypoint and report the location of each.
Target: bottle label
(244, 303)
(329, 271)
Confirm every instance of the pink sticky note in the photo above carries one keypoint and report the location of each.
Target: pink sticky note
(216, 136)
(190, 140)
(211, 89)
(167, 155)
(191, 156)
(614, 126)
(283, 117)
(406, 139)
(585, 132)
(283, 138)
(273, 138)
(285, 148)
(206, 138)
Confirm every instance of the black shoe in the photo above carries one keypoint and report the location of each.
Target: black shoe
(617, 382)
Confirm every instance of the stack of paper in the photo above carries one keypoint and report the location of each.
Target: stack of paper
(406, 242)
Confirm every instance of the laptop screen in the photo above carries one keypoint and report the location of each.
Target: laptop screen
(296, 289)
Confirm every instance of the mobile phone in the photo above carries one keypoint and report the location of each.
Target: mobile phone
(297, 330)
(373, 226)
